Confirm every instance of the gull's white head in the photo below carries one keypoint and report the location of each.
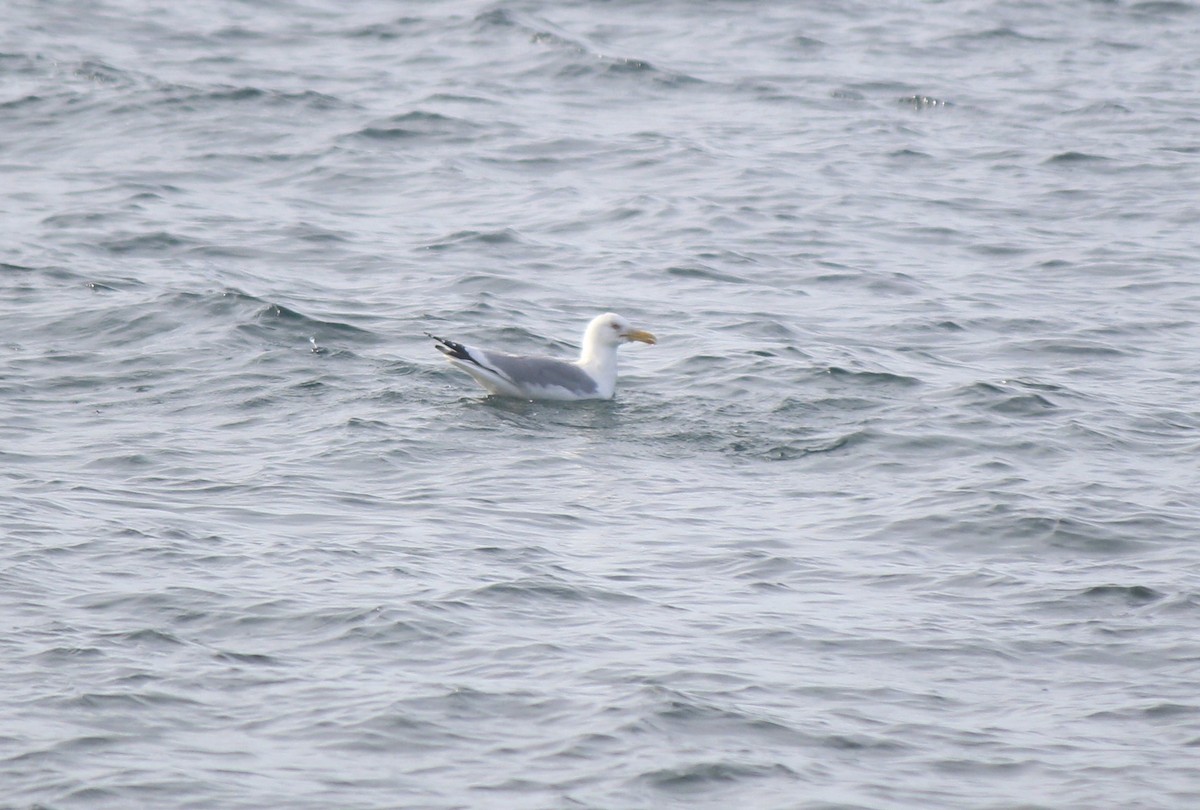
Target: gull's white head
(611, 329)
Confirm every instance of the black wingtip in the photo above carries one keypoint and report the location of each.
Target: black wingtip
(449, 347)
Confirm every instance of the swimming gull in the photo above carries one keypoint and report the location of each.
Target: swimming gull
(592, 376)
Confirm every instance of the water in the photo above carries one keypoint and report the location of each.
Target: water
(900, 513)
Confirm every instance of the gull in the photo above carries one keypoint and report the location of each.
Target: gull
(592, 376)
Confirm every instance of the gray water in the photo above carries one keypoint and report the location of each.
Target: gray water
(901, 512)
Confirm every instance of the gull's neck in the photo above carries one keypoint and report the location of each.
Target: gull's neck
(599, 359)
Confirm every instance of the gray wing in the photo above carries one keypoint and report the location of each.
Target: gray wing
(542, 372)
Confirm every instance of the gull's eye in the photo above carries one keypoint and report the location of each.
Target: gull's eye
(616, 326)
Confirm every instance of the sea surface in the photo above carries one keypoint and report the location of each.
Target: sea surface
(902, 511)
